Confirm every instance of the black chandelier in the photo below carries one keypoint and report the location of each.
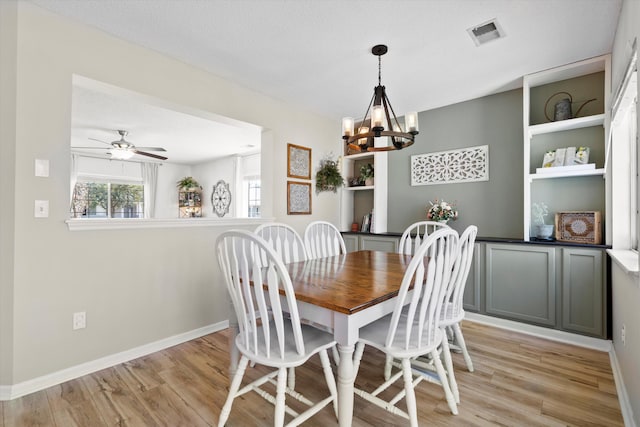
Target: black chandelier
(380, 120)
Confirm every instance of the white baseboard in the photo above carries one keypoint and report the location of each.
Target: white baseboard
(46, 381)
(623, 397)
(542, 332)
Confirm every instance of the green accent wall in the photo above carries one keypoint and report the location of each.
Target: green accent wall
(495, 206)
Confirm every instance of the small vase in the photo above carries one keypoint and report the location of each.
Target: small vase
(443, 221)
(368, 182)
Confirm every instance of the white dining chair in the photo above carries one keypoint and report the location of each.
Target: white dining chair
(411, 239)
(413, 329)
(323, 239)
(288, 244)
(255, 275)
(284, 240)
(453, 310)
(415, 234)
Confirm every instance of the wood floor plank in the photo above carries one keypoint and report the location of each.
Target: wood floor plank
(68, 394)
(29, 411)
(80, 415)
(518, 380)
(170, 409)
(116, 402)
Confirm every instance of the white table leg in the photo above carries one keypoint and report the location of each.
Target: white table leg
(346, 380)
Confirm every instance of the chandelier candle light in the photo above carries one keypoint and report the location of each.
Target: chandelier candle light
(380, 120)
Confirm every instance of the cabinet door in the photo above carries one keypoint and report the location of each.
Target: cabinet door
(351, 242)
(379, 243)
(582, 291)
(471, 298)
(520, 283)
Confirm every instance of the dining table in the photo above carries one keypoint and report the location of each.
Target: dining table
(344, 293)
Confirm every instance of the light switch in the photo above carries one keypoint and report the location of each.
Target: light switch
(41, 209)
(42, 167)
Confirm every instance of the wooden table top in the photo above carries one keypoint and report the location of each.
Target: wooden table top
(351, 282)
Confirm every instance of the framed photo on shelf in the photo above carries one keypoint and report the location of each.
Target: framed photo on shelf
(298, 198)
(298, 161)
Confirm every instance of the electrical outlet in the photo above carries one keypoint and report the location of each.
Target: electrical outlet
(623, 335)
(79, 320)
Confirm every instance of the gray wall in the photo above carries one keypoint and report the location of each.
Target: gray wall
(495, 206)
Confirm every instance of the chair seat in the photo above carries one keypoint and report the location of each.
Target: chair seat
(375, 335)
(315, 340)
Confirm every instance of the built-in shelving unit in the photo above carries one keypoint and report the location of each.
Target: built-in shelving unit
(358, 201)
(189, 204)
(566, 189)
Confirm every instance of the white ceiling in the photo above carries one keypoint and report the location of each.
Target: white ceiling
(315, 54)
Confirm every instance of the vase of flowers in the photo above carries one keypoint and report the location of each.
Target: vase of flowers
(441, 211)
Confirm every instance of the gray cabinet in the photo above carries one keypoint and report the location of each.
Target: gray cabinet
(556, 286)
(472, 292)
(378, 243)
(521, 283)
(351, 241)
(582, 291)
(371, 242)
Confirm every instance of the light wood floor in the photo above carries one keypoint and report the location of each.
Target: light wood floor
(518, 381)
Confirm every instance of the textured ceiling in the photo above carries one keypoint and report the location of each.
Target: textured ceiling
(315, 54)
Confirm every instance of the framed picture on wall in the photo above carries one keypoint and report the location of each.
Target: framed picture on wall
(298, 198)
(298, 162)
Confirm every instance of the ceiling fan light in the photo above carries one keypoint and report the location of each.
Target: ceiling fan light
(121, 154)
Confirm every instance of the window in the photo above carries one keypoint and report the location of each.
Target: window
(95, 199)
(253, 198)
(624, 189)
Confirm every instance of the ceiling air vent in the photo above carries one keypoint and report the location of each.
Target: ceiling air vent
(486, 32)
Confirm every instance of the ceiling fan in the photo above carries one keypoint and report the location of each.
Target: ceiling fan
(123, 149)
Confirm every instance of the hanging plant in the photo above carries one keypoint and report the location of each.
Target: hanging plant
(328, 177)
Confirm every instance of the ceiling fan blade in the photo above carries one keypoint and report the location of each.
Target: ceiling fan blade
(93, 139)
(92, 148)
(155, 156)
(151, 148)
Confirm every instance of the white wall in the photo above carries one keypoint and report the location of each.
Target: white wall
(8, 78)
(625, 288)
(136, 286)
(208, 174)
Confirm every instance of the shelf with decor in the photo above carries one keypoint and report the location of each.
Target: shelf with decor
(189, 204)
(565, 123)
(360, 200)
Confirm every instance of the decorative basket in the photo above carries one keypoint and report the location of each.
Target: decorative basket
(579, 227)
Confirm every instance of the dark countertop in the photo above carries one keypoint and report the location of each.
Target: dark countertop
(496, 240)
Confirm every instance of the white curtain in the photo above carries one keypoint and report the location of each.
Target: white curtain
(74, 178)
(150, 182)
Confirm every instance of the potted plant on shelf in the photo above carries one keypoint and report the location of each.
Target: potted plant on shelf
(328, 177)
(188, 184)
(538, 212)
(366, 174)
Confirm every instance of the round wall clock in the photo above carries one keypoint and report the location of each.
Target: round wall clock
(221, 198)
